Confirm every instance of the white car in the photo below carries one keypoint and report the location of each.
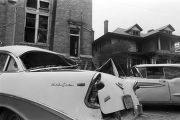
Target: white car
(38, 84)
(159, 83)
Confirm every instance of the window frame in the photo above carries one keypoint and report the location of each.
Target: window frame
(39, 12)
(75, 35)
(47, 1)
(135, 32)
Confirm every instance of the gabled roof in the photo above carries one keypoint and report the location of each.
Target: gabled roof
(164, 27)
(136, 25)
(120, 31)
(125, 31)
(158, 30)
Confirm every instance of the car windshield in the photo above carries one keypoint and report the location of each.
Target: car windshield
(38, 59)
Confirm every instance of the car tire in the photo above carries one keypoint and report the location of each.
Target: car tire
(9, 115)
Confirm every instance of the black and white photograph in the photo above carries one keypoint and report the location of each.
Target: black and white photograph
(89, 60)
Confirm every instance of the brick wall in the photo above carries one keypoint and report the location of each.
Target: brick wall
(65, 10)
(12, 22)
(20, 22)
(79, 11)
(2, 21)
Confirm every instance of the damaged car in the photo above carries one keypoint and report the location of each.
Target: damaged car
(159, 83)
(38, 84)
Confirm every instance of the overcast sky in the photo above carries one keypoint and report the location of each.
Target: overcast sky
(149, 14)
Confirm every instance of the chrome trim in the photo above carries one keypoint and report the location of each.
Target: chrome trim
(176, 94)
(149, 85)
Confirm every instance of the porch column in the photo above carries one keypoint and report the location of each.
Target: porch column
(159, 44)
(153, 61)
(169, 61)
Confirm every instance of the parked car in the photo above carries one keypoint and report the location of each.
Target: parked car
(159, 83)
(38, 84)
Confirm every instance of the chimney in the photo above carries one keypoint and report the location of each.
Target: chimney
(106, 26)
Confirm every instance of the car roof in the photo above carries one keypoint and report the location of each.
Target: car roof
(18, 50)
(158, 65)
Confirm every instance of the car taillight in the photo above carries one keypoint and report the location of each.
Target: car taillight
(91, 99)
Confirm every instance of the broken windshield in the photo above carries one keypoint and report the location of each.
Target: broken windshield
(38, 59)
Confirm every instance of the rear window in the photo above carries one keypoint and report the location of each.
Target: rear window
(38, 59)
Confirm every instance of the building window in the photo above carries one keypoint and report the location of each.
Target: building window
(42, 29)
(74, 41)
(169, 32)
(32, 3)
(30, 27)
(37, 20)
(135, 33)
(44, 5)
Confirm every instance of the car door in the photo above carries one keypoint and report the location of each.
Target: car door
(153, 86)
(173, 77)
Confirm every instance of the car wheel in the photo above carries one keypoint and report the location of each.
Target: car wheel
(9, 115)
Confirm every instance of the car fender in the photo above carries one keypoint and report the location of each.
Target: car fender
(30, 110)
(48, 89)
(110, 97)
(128, 89)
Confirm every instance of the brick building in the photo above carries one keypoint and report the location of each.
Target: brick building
(64, 26)
(128, 47)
